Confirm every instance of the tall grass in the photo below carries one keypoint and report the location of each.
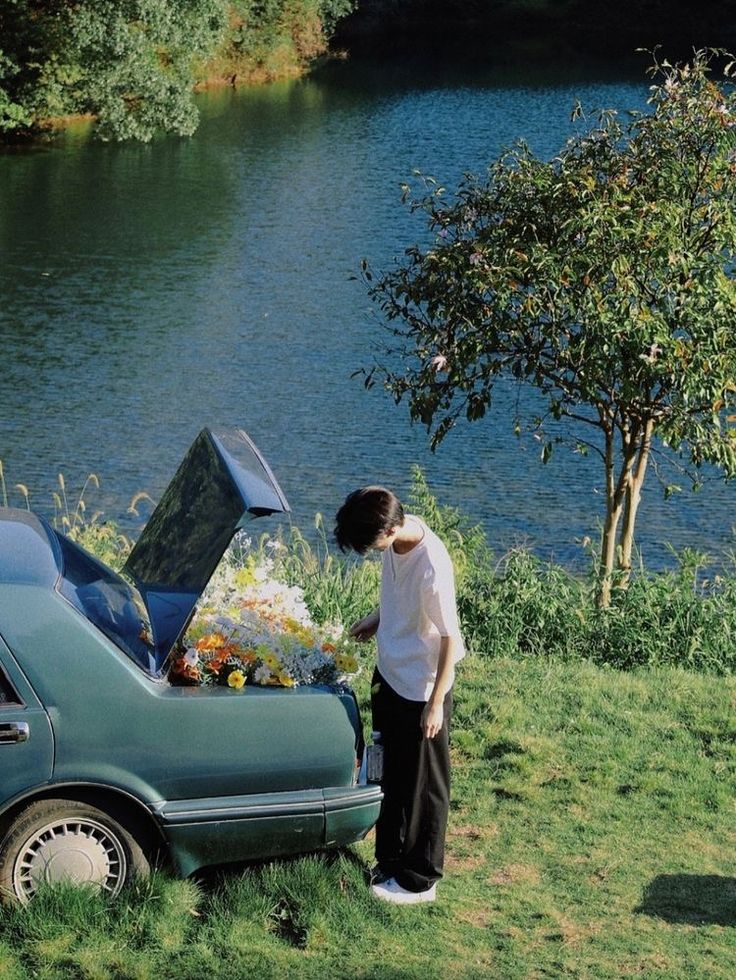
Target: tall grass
(72, 515)
(514, 605)
(517, 605)
(337, 588)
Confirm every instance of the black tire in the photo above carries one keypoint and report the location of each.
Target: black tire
(65, 840)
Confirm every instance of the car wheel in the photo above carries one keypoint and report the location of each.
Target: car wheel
(64, 840)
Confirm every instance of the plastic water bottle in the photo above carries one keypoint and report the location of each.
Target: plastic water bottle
(374, 759)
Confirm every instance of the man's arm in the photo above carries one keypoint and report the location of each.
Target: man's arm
(434, 715)
(366, 627)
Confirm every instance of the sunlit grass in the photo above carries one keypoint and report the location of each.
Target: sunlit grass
(591, 835)
(592, 829)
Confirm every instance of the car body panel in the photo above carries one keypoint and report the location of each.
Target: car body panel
(209, 831)
(179, 741)
(26, 738)
(28, 553)
(348, 809)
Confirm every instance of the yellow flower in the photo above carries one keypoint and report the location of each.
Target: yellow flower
(271, 661)
(236, 679)
(346, 663)
(285, 680)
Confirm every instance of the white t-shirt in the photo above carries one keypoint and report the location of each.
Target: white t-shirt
(417, 608)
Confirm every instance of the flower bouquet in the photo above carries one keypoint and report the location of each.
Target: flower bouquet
(251, 628)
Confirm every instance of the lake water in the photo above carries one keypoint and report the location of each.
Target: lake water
(146, 291)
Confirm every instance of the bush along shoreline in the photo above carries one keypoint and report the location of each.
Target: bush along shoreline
(133, 68)
(514, 606)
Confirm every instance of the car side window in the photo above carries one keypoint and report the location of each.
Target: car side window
(8, 694)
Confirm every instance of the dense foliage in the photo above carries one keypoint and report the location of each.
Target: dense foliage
(133, 64)
(603, 277)
(518, 606)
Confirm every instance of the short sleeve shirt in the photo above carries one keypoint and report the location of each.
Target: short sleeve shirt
(417, 609)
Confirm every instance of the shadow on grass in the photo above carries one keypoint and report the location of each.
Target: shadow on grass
(698, 900)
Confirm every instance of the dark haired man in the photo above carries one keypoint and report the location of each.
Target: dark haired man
(419, 642)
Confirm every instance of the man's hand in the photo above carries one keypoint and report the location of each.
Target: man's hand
(365, 628)
(432, 719)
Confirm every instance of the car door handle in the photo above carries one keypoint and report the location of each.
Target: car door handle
(14, 731)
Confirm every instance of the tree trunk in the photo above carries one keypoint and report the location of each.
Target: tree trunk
(608, 555)
(615, 495)
(613, 513)
(633, 498)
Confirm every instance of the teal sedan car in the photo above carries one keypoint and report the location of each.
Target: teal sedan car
(104, 764)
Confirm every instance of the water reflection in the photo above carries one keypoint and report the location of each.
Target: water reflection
(148, 291)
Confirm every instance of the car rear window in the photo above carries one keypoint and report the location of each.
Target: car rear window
(113, 605)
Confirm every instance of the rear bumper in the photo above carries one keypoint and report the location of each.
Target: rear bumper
(224, 829)
(350, 813)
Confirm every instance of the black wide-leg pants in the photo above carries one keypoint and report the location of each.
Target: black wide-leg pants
(410, 833)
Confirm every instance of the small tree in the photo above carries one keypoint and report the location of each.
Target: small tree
(604, 277)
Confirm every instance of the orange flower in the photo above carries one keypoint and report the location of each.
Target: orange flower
(188, 671)
(328, 648)
(212, 641)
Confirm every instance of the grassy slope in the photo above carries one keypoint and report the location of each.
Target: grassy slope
(592, 835)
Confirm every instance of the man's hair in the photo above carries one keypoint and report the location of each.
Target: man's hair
(365, 515)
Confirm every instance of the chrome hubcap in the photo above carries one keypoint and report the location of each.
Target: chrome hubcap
(82, 852)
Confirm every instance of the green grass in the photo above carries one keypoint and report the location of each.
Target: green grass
(592, 835)
(593, 824)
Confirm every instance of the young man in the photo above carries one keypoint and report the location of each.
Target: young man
(419, 642)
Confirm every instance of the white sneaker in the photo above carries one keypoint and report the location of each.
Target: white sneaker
(391, 891)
